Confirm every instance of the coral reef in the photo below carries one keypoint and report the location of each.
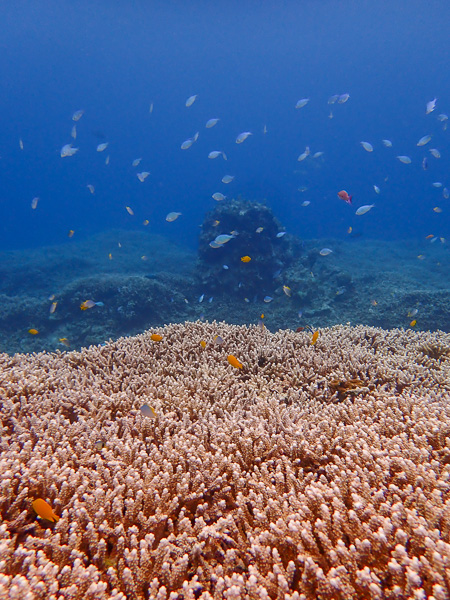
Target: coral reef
(150, 281)
(258, 236)
(314, 472)
(144, 283)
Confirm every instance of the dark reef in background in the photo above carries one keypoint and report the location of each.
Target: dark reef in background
(221, 271)
(149, 282)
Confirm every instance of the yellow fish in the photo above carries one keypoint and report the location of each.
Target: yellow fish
(44, 510)
(245, 259)
(148, 411)
(33, 331)
(314, 338)
(413, 323)
(216, 222)
(287, 290)
(64, 341)
(87, 304)
(146, 222)
(155, 337)
(234, 362)
(203, 344)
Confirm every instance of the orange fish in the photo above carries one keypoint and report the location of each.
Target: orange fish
(203, 344)
(33, 331)
(345, 197)
(156, 337)
(245, 259)
(234, 362)
(71, 232)
(413, 323)
(44, 510)
(314, 338)
(87, 304)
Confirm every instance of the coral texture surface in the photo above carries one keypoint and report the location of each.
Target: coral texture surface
(313, 472)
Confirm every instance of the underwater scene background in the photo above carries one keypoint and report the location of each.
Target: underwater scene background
(246, 118)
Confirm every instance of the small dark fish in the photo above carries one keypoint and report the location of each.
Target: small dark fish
(305, 328)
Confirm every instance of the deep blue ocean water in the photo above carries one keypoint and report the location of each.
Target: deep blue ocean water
(248, 63)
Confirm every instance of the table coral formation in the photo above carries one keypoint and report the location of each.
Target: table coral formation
(270, 481)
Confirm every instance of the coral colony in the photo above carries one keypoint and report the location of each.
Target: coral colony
(269, 465)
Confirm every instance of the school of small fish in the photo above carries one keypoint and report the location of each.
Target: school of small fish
(68, 150)
(418, 154)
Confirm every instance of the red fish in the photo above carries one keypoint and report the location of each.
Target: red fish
(344, 196)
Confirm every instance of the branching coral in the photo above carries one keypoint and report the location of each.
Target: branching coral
(249, 483)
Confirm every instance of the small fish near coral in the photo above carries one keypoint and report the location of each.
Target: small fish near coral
(234, 362)
(345, 387)
(148, 411)
(90, 304)
(44, 510)
(315, 337)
